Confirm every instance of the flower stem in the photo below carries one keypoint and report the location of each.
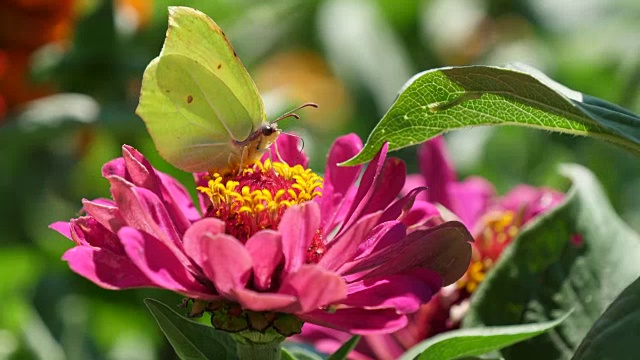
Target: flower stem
(248, 350)
(254, 345)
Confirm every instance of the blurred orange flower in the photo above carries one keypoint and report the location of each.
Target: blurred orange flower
(26, 25)
(136, 12)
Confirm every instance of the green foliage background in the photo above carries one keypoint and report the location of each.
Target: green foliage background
(51, 158)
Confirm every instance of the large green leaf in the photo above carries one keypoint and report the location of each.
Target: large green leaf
(189, 339)
(616, 334)
(345, 349)
(580, 255)
(474, 342)
(444, 99)
(286, 355)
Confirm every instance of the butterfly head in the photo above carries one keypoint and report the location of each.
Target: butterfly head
(268, 135)
(261, 139)
(268, 130)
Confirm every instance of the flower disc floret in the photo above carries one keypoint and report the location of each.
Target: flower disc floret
(257, 198)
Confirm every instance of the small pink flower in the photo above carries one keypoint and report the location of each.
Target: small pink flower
(494, 222)
(275, 238)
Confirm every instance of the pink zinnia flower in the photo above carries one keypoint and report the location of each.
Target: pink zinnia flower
(276, 239)
(494, 222)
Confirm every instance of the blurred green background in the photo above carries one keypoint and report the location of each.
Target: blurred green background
(70, 74)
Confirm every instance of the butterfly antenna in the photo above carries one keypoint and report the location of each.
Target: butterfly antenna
(291, 113)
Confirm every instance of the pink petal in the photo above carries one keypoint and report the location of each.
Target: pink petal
(358, 321)
(139, 170)
(437, 170)
(197, 235)
(470, 199)
(106, 214)
(414, 181)
(105, 268)
(175, 197)
(381, 236)
(339, 180)
(342, 177)
(421, 212)
(265, 248)
(201, 179)
(404, 292)
(314, 287)
(103, 202)
(519, 197)
(298, 227)
(136, 169)
(256, 301)
(85, 230)
(335, 207)
(178, 199)
(286, 149)
(159, 263)
(115, 167)
(366, 188)
(143, 210)
(444, 249)
(530, 201)
(345, 247)
(402, 205)
(387, 185)
(63, 227)
(228, 263)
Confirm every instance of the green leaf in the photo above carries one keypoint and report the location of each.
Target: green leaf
(444, 99)
(616, 334)
(189, 339)
(580, 255)
(286, 355)
(345, 349)
(473, 342)
(301, 351)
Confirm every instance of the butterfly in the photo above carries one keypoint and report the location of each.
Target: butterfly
(201, 107)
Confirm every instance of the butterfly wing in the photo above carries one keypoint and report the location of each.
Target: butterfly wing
(197, 98)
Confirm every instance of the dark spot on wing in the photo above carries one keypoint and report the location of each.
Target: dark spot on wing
(219, 66)
(224, 37)
(189, 99)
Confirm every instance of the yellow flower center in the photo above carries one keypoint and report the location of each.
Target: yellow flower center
(499, 229)
(257, 198)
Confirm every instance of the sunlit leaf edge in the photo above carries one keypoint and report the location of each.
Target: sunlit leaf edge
(582, 114)
(506, 335)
